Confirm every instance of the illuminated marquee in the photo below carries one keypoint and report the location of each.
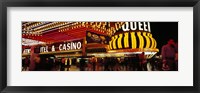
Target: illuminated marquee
(135, 37)
(58, 46)
(142, 26)
(62, 47)
(70, 46)
(132, 39)
(26, 51)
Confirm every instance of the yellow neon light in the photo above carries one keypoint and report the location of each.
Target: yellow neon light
(133, 39)
(150, 36)
(155, 43)
(147, 38)
(141, 40)
(119, 43)
(126, 43)
(114, 42)
(110, 43)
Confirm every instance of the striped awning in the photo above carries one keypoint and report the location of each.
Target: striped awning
(140, 40)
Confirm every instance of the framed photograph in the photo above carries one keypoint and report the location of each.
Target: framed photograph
(106, 46)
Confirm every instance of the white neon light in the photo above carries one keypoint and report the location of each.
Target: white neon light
(29, 42)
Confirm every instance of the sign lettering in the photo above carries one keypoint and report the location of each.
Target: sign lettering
(58, 46)
(143, 26)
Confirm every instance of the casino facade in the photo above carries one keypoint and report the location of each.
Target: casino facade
(99, 39)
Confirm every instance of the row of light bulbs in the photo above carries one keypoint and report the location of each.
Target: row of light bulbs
(71, 26)
(28, 33)
(34, 24)
(50, 26)
(97, 26)
(42, 28)
(68, 25)
(64, 26)
(27, 23)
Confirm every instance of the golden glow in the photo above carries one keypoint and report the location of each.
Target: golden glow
(126, 42)
(155, 43)
(116, 26)
(152, 41)
(110, 43)
(119, 43)
(114, 42)
(65, 26)
(134, 50)
(147, 38)
(141, 39)
(133, 39)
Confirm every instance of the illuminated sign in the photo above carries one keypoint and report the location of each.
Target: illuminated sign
(142, 26)
(92, 37)
(70, 46)
(26, 51)
(132, 40)
(61, 46)
(44, 49)
(58, 46)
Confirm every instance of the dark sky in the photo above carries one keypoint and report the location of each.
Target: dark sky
(163, 31)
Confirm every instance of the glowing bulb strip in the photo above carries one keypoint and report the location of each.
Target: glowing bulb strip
(28, 42)
(51, 26)
(42, 27)
(28, 23)
(32, 25)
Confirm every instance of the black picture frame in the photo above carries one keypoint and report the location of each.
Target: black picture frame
(100, 3)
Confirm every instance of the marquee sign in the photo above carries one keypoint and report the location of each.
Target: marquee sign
(141, 26)
(132, 40)
(58, 46)
(135, 35)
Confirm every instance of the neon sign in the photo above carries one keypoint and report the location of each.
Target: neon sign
(70, 46)
(142, 26)
(58, 46)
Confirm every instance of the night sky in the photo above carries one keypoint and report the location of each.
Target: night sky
(163, 31)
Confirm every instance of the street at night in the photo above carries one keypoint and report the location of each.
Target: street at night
(99, 46)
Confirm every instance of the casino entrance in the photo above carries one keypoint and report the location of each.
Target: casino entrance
(85, 46)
